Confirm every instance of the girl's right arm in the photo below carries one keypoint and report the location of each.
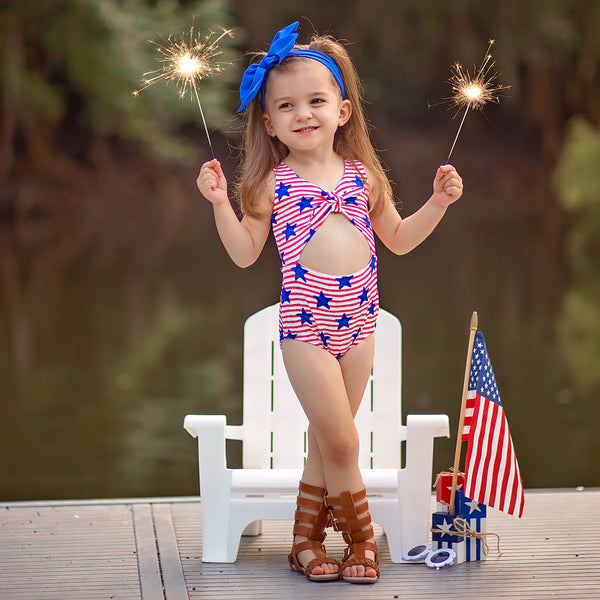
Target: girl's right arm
(243, 240)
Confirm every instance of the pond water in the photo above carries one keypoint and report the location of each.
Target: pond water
(102, 414)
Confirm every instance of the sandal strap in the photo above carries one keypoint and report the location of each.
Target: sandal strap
(312, 490)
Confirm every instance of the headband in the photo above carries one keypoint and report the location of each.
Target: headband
(254, 79)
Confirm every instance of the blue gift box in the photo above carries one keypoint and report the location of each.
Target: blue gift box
(442, 525)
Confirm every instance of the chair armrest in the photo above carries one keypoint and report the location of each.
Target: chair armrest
(212, 460)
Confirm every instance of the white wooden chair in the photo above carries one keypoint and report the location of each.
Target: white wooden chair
(275, 444)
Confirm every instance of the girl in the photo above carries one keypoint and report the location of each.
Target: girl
(310, 173)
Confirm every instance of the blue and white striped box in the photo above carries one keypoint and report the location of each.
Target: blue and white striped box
(475, 515)
(442, 524)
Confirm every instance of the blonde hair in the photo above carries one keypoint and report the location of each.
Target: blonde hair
(261, 152)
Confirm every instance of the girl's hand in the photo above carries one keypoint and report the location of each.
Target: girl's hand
(447, 185)
(212, 183)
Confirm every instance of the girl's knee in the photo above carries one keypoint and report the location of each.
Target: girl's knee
(341, 449)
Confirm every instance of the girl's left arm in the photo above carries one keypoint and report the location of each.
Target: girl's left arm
(403, 235)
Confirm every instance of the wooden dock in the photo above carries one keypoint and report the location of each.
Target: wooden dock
(151, 549)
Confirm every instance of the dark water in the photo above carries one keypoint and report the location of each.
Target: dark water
(100, 413)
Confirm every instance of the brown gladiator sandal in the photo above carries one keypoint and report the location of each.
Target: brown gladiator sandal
(310, 520)
(351, 516)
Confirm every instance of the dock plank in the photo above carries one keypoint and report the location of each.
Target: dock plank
(151, 549)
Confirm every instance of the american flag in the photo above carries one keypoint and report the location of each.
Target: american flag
(492, 474)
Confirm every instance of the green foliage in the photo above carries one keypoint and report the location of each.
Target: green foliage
(89, 55)
(578, 182)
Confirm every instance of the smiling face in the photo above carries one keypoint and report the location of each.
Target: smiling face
(304, 106)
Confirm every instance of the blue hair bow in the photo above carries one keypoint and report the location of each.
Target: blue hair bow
(256, 74)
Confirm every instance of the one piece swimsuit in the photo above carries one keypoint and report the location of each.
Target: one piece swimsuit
(329, 311)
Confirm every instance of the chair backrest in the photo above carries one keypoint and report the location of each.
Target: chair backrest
(274, 427)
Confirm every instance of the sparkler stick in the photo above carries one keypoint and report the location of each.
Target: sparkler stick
(474, 90)
(187, 62)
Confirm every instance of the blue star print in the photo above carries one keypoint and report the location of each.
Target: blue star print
(323, 300)
(274, 218)
(283, 190)
(305, 317)
(372, 265)
(372, 308)
(358, 182)
(289, 231)
(364, 296)
(351, 200)
(324, 339)
(285, 295)
(300, 272)
(344, 281)
(343, 321)
(304, 203)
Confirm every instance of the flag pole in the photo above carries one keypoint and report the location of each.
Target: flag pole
(463, 406)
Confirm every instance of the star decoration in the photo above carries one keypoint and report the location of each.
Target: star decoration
(300, 272)
(289, 231)
(323, 300)
(445, 528)
(344, 281)
(304, 203)
(305, 317)
(364, 296)
(285, 295)
(283, 190)
(343, 321)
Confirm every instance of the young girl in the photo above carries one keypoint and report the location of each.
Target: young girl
(310, 173)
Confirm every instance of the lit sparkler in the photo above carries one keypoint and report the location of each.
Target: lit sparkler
(187, 61)
(474, 90)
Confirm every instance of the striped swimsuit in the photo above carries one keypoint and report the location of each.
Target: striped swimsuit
(331, 312)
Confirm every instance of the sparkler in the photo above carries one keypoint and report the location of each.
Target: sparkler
(474, 90)
(187, 61)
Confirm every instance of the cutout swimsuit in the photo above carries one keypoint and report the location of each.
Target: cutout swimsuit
(332, 312)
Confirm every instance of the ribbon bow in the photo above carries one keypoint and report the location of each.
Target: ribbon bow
(255, 75)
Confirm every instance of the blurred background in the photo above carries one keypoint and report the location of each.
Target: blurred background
(120, 311)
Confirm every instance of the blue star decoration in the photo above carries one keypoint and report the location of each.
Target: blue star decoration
(299, 272)
(311, 232)
(343, 321)
(358, 182)
(323, 300)
(283, 190)
(350, 200)
(305, 317)
(274, 218)
(364, 296)
(285, 295)
(304, 203)
(289, 231)
(324, 339)
(373, 263)
(344, 281)
(372, 308)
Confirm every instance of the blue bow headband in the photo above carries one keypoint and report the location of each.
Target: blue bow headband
(254, 79)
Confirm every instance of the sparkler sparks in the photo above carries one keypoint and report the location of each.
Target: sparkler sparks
(474, 91)
(187, 61)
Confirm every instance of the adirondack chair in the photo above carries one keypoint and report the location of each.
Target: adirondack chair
(236, 501)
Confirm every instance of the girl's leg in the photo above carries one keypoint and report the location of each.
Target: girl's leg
(330, 392)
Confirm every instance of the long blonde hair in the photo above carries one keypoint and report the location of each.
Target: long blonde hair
(261, 152)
